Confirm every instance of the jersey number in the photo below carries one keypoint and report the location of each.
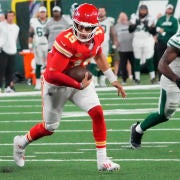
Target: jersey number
(71, 37)
(39, 31)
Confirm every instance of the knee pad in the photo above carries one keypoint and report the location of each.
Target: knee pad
(52, 120)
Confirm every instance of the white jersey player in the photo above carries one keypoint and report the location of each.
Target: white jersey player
(142, 25)
(169, 100)
(38, 42)
(108, 25)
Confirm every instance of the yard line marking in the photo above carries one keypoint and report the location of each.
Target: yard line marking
(84, 114)
(103, 99)
(38, 93)
(58, 152)
(89, 143)
(11, 156)
(90, 130)
(93, 160)
(72, 105)
(122, 148)
(106, 98)
(76, 120)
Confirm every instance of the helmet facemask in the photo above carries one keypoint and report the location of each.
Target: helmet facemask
(87, 34)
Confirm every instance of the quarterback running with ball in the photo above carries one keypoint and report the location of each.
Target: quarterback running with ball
(73, 47)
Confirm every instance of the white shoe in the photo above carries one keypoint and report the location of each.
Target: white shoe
(18, 151)
(102, 81)
(9, 90)
(108, 165)
(38, 84)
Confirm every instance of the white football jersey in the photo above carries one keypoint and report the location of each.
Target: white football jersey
(141, 31)
(175, 65)
(39, 31)
(106, 24)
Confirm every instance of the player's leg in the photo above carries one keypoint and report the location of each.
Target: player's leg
(168, 103)
(3, 65)
(87, 100)
(137, 50)
(148, 54)
(9, 84)
(38, 56)
(131, 61)
(52, 102)
(123, 64)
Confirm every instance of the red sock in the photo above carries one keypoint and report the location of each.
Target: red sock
(37, 132)
(99, 126)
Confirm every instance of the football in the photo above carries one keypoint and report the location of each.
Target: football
(78, 73)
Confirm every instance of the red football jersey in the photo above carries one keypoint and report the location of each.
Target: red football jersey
(68, 51)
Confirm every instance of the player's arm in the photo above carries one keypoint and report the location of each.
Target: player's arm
(30, 39)
(169, 55)
(105, 68)
(57, 63)
(134, 21)
(113, 36)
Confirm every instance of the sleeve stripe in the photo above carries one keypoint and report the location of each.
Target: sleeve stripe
(174, 44)
(62, 50)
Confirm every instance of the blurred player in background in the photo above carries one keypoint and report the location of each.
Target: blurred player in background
(38, 42)
(169, 99)
(142, 25)
(73, 47)
(55, 25)
(108, 25)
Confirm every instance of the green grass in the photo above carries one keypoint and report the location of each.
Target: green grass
(69, 154)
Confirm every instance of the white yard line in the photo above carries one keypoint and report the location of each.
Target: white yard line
(94, 160)
(84, 114)
(89, 130)
(89, 143)
(77, 120)
(35, 93)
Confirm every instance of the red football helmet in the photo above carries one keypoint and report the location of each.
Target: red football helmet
(85, 17)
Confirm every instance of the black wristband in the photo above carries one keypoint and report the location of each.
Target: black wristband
(178, 83)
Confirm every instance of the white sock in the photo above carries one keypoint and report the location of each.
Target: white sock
(152, 75)
(137, 75)
(24, 141)
(101, 155)
(139, 129)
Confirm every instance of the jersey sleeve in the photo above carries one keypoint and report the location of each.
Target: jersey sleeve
(63, 44)
(174, 41)
(100, 36)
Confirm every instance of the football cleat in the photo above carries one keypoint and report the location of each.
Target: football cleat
(136, 137)
(9, 90)
(108, 165)
(18, 151)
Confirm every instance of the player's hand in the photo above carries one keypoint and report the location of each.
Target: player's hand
(178, 83)
(138, 21)
(145, 23)
(85, 82)
(119, 88)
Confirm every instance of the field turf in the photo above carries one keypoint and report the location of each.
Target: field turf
(69, 154)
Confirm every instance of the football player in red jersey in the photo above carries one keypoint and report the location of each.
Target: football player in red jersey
(73, 47)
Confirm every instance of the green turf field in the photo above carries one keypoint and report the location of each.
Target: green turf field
(69, 154)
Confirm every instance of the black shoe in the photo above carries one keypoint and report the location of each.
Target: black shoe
(136, 137)
(137, 82)
(153, 81)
